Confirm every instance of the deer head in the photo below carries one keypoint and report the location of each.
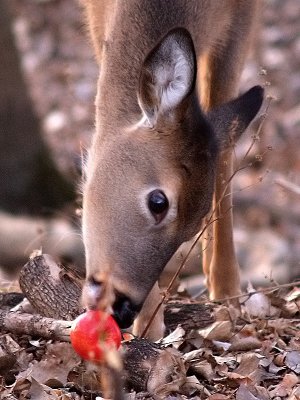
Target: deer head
(149, 187)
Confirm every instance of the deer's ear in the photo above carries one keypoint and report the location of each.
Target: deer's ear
(231, 119)
(168, 75)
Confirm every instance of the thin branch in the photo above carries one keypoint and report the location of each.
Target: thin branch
(263, 119)
(291, 187)
(248, 295)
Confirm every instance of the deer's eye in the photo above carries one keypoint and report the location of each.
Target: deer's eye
(158, 205)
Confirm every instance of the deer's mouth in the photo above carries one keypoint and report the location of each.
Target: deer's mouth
(125, 311)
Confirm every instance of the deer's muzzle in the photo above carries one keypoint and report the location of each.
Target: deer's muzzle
(100, 295)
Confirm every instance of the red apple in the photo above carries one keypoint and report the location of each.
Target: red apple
(93, 333)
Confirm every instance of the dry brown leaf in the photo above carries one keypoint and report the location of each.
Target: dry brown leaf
(239, 378)
(292, 360)
(176, 338)
(290, 380)
(21, 385)
(170, 367)
(217, 396)
(191, 386)
(193, 355)
(279, 325)
(274, 369)
(221, 369)
(55, 365)
(37, 391)
(284, 388)
(250, 392)
(295, 394)
(219, 330)
(249, 367)
(204, 369)
(293, 295)
(226, 313)
(295, 342)
(241, 343)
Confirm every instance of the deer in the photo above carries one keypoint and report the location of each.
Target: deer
(168, 114)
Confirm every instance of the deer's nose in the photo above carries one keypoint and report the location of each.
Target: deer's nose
(124, 311)
(96, 295)
(92, 293)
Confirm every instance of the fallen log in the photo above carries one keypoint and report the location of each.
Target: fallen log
(8, 300)
(55, 293)
(151, 367)
(52, 291)
(34, 325)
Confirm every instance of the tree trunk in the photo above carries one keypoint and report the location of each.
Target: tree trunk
(30, 181)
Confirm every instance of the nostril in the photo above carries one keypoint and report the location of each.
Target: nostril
(94, 282)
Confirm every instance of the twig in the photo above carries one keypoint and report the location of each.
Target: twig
(288, 185)
(263, 118)
(248, 295)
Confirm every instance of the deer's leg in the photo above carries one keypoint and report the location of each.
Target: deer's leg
(220, 265)
(207, 248)
(223, 278)
(220, 74)
(157, 328)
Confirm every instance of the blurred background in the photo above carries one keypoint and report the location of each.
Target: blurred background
(48, 80)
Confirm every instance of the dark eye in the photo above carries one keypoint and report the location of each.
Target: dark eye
(158, 205)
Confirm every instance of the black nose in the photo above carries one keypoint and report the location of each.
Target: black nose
(124, 311)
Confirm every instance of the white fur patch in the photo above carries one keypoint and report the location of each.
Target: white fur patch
(173, 81)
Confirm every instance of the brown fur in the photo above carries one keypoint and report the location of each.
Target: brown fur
(180, 150)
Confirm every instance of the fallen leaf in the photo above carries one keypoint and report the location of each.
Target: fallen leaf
(204, 369)
(249, 367)
(258, 304)
(193, 355)
(241, 343)
(37, 391)
(290, 380)
(176, 338)
(295, 394)
(55, 366)
(219, 330)
(168, 374)
(246, 393)
(217, 396)
(293, 295)
(231, 361)
(191, 386)
(221, 345)
(292, 360)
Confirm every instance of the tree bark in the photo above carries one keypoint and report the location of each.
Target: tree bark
(51, 290)
(9, 300)
(30, 181)
(35, 325)
(55, 293)
(150, 366)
